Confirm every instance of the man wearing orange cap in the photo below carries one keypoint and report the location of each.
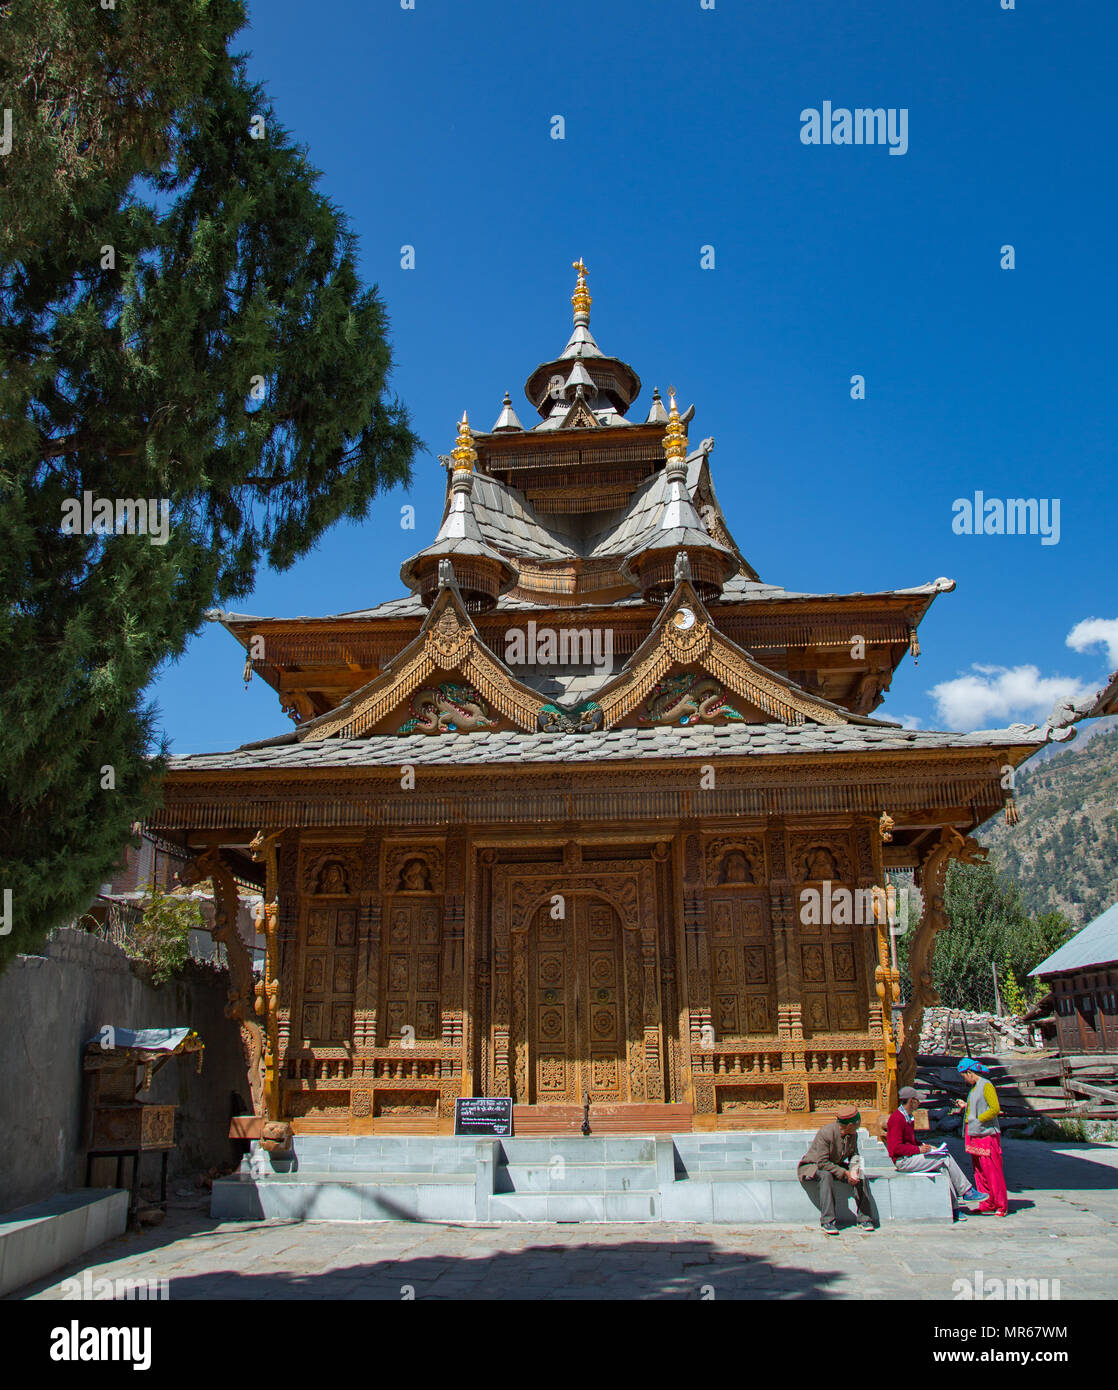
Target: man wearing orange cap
(829, 1161)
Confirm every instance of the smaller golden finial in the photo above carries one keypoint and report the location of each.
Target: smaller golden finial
(464, 454)
(675, 436)
(581, 298)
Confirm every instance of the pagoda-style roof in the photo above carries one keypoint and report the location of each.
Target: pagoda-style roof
(588, 520)
(582, 372)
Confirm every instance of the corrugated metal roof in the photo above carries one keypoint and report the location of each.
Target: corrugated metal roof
(1094, 944)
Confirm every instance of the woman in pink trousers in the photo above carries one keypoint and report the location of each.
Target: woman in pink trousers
(982, 1136)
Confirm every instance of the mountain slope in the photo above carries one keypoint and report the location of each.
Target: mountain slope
(1064, 852)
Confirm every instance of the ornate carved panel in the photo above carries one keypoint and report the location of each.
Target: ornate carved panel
(831, 955)
(335, 872)
(574, 1027)
(743, 975)
(735, 860)
(821, 858)
(413, 868)
(329, 971)
(410, 985)
(577, 1006)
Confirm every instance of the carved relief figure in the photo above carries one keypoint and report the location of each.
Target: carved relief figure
(332, 878)
(415, 877)
(736, 868)
(688, 698)
(449, 709)
(735, 860)
(821, 866)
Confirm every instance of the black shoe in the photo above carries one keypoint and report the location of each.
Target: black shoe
(829, 1228)
(866, 1226)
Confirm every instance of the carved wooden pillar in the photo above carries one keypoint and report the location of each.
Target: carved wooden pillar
(501, 992)
(368, 954)
(665, 882)
(783, 910)
(650, 961)
(700, 1023)
(454, 918)
(951, 845)
(287, 951)
(263, 850)
(241, 994)
(871, 882)
(481, 950)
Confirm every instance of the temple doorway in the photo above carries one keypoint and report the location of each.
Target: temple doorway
(573, 1017)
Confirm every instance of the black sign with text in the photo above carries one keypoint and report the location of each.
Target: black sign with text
(483, 1115)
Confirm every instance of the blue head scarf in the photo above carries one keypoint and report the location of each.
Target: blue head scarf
(969, 1064)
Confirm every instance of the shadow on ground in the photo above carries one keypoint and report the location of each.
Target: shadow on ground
(653, 1269)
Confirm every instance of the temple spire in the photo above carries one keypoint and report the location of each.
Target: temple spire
(681, 547)
(581, 300)
(609, 385)
(482, 574)
(464, 454)
(675, 436)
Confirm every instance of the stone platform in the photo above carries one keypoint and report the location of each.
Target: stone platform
(741, 1178)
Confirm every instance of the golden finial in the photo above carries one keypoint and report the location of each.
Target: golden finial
(675, 436)
(464, 454)
(581, 297)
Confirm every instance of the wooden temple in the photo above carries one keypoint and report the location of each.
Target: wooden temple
(585, 813)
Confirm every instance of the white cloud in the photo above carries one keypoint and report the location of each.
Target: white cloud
(993, 696)
(906, 721)
(1096, 632)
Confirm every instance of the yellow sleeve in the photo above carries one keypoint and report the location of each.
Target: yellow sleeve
(991, 1098)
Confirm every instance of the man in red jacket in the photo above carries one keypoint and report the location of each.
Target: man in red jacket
(910, 1157)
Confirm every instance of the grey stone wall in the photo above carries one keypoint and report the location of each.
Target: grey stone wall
(49, 1006)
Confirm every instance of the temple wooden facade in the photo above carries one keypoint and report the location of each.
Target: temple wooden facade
(593, 812)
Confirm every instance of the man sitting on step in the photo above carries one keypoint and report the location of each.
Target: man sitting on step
(910, 1157)
(829, 1160)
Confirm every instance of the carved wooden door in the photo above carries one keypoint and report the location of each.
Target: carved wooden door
(742, 967)
(833, 997)
(576, 1005)
(410, 978)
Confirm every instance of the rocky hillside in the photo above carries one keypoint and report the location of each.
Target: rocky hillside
(1064, 852)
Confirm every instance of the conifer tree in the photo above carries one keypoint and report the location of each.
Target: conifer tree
(988, 923)
(181, 320)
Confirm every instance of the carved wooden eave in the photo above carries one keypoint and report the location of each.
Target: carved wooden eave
(448, 643)
(922, 788)
(685, 637)
(580, 417)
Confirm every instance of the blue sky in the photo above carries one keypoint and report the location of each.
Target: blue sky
(432, 128)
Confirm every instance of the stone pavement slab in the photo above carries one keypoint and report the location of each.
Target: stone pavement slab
(1063, 1225)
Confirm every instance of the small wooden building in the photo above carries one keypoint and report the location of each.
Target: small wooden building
(1083, 977)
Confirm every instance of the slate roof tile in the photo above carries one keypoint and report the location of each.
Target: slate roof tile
(765, 740)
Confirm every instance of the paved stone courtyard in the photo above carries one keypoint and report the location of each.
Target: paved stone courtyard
(1063, 1225)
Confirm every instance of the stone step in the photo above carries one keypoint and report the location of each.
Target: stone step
(575, 1206)
(563, 1177)
(381, 1153)
(321, 1196)
(740, 1179)
(580, 1149)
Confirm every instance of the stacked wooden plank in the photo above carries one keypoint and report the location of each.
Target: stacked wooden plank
(1029, 1084)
